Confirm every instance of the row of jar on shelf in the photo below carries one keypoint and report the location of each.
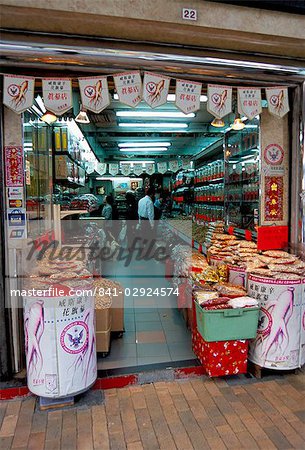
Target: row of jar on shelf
(209, 193)
(208, 213)
(211, 171)
(247, 192)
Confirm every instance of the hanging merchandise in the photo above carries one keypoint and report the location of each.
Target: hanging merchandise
(113, 168)
(137, 168)
(126, 169)
(162, 167)
(150, 168)
(94, 93)
(219, 100)
(18, 92)
(249, 102)
(188, 96)
(129, 87)
(57, 94)
(277, 99)
(174, 165)
(155, 89)
(186, 164)
(101, 168)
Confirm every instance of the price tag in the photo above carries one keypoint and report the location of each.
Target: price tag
(189, 14)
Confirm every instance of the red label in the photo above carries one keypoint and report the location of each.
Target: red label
(231, 230)
(200, 248)
(272, 237)
(248, 235)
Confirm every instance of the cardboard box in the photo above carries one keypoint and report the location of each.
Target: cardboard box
(103, 341)
(117, 313)
(103, 319)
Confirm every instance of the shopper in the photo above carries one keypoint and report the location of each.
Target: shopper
(146, 209)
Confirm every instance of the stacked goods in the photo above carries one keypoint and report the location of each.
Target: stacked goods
(214, 229)
(199, 233)
(103, 303)
(277, 264)
(86, 202)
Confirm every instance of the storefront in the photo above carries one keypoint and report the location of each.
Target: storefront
(212, 180)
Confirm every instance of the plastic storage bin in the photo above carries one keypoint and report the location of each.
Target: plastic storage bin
(227, 324)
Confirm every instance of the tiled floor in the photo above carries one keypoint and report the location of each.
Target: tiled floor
(155, 331)
(198, 413)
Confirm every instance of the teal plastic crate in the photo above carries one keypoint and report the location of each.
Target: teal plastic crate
(227, 324)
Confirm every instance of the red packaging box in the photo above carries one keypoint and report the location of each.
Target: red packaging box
(221, 358)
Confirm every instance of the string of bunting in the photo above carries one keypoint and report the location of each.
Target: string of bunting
(18, 94)
(127, 168)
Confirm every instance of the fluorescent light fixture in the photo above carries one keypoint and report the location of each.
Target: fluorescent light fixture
(144, 144)
(145, 149)
(153, 125)
(40, 103)
(157, 114)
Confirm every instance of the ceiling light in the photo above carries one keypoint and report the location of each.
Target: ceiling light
(82, 116)
(145, 149)
(48, 117)
(157, 114)
(40, 103)
(238, 124)
(218, 123)
(144, 144)
(153, 125)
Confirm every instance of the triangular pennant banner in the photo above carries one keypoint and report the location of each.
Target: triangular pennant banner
(174, 165)
(219, 100)
(94, 93)
(162, 167)
(101, 168)
(126, 169)
(129, 87)
(155, 89)
(57, 94)
(113, 168)
(137, 168)
(149, 168)
(188, 96)
(18, 92)
(249, 101)
(277, 98)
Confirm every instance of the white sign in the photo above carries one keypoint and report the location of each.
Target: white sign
(18, 92)
(138, 168)
(162, 167)
(174, 165)
(101, 168)
(186, 164)
(155, 89)
(57, 94)
(150, 168)
(188, 96)
(126, 169)
(129, 87)
(113, 168)
(189, 14)
(219, 100)
(90, 167)
(249, 102)
(277, 99)
(60, 344)
(15, 193)
(94, 93)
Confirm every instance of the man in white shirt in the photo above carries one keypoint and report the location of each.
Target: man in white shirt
(146, 208)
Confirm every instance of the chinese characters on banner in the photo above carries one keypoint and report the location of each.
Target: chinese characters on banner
(162, 167)
(188, 96)
(101, 168)
(249, 102)
(150, 168)
(186, 164)
(219, 100)
(94, 93)
(277, 99)
(57, 95)
(129, 87)
(18, 92)
(90, 167)
(125, 169)
(113, 168)
(274, 198)
(155, 89)
(137, 168)
(174, 165)
(14, 168)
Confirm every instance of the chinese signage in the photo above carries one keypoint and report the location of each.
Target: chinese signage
(219, 100)
(125, 169)
(162, 167)
(129, 87)
(113, 168)
(94, 93)
(137, 168)
(155, 89)
(249, 102)
(188, 96)
(277, 99)
(101, 168)
(274, 199)
(14, 168)
(150, 168)
(174, 165)
(18, 92)
(57, 94)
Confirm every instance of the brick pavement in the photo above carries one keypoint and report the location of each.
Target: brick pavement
(196, 413)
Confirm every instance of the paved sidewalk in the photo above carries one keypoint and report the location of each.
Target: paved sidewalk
(187, 414)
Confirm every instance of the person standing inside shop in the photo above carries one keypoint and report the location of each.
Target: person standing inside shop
(146, 214)
(107, 214)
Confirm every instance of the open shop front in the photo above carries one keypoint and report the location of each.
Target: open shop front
(210, 272)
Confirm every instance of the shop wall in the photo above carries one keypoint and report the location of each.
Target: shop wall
(218, 25)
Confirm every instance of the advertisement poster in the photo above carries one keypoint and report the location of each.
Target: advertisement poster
(277, 345)
(14, 166)
(94, 93)
(64, 324)
(249, 102)
(57, 94)
(155, 89)
(18, 92)
(219, 100)
(129, 87)
(188, 96)
(278, 103)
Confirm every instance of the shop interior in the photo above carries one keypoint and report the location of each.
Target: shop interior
(66, 185)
